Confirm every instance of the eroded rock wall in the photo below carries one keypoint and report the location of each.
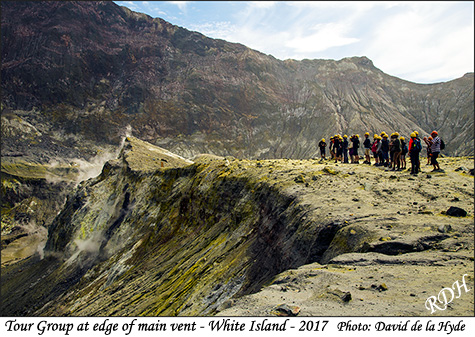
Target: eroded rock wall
(143, 238)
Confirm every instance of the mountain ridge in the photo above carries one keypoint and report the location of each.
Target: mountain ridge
(192, 94)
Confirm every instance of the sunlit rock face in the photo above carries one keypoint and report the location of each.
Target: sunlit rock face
(157, 234)
(190, 235)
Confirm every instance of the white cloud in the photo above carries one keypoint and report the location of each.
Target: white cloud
(181, 4)
(262, 4)
(129, 4)
(219, 30)
(422, 42)
(415, 40)
(325, 36)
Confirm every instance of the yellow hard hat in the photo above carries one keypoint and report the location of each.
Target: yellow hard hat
(382, 133)
(402, 138)
(323, 139)
(366, 134)
(417, 133)
(413, 135)
(357, 136)
(345, 136)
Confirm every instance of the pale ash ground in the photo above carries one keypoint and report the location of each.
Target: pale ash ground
(379, 209)
(387, 207)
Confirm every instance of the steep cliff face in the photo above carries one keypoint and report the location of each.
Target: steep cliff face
(189, 238)
(156, 234)
(81, 72)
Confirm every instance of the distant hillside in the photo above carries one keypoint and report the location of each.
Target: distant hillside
(76, 75)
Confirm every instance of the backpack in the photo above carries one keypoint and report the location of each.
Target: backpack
(417, 145)
(442, 144)
(374, 147)
(396, 145)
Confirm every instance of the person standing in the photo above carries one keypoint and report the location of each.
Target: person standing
(344, 148)
(385, 150)
(420, 141)
(335, 148)
(415, 148)
(427, 141)
(404, 151)
(338, 147)
(396, 149)
(374, 149)
(367, 149)
(322, 145)
(435, 151)
(332, 148)
(391, 150)
(350, 148)
(356, 146)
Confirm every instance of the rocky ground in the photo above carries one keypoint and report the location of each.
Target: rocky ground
(399, 247)
(295, 237)
(370, 285)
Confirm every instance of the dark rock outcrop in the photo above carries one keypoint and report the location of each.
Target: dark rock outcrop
(456, 211)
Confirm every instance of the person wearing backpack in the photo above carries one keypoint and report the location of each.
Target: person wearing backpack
(415, 148)
(435, 150)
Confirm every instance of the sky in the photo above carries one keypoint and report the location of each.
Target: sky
(418, 41)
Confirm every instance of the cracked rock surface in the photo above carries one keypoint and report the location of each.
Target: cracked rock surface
(156, 234)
